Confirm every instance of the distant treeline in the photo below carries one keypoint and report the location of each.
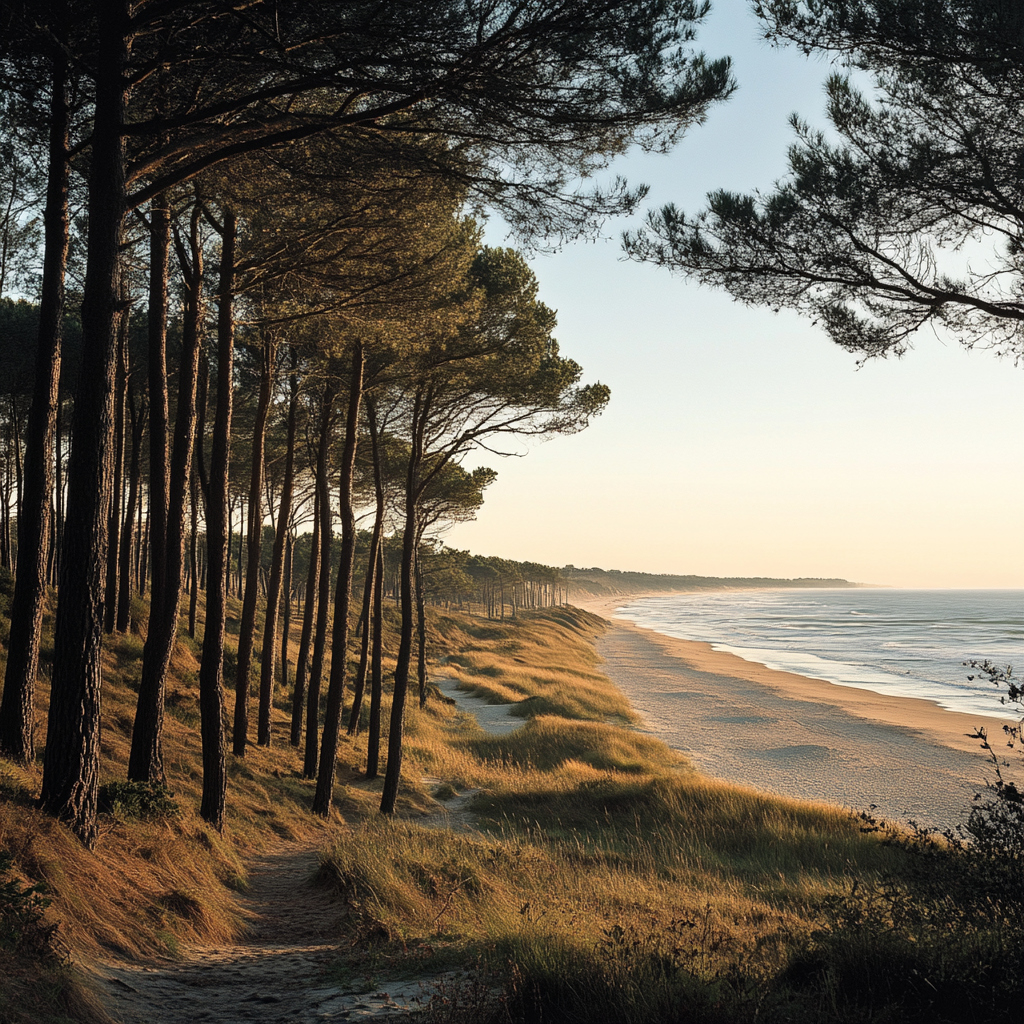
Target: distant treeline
(597, 582)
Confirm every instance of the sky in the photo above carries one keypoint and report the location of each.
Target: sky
(739, 442)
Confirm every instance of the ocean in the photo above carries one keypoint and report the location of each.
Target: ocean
(905, 643)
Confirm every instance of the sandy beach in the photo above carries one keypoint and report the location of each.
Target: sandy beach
(792, 735)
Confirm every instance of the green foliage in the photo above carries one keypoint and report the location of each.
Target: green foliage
(942, 940)
(21, 913)
(862, 234)
(139, 800)
(138, 614)
(996, 822)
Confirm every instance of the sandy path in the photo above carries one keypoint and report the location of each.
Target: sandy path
(280, 972)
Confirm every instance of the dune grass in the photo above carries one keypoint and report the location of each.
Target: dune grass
(611, 882)
(605, 880)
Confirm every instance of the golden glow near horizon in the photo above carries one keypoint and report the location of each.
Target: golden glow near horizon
(743, 443)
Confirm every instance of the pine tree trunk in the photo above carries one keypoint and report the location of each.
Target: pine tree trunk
(117, 488)
(324, 596)
(19, 504)
(254, 533)
(369, 588)
(71, 764)
(286, 610)
(159, 250)
(145, 763)
(276, 571)
(421, 631)
(5, 510)
(143, 553)
(200, 489)
(393, 771)
(57, 527)
(306, 633)
(211, 668)
(324, 795)
(17, 707)
(125, 576)
(376, 669)
(193, 553)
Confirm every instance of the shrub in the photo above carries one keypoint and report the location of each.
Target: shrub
(143, 800)
(21, 913)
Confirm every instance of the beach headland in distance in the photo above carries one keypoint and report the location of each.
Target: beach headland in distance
(794, 735)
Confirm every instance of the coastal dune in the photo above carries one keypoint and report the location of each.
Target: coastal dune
(783, 733)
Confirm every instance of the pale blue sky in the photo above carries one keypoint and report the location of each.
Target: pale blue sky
(739, 442)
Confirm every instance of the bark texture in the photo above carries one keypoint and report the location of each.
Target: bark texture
(71, 765)
(276, 572)
(17, 707)
(343, 596)
(211, 667)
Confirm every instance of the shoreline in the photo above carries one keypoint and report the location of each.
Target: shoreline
(795, 735)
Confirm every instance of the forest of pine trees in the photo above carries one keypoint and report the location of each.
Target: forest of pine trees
(249, 333)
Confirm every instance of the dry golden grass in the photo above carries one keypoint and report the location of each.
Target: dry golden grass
(601, 845)
(605, 858)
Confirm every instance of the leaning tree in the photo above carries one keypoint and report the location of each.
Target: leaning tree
(497, 375)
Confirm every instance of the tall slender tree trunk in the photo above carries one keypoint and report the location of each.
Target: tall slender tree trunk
(421, 629)
(343, 595)
(276, 572)
(126, 576)
(286, 610)
(200, 489)
(145, 763)
(365, 613)
(117, 489)
(324, 596)
(17, 707)
(159, 252)
(369, 588)
(5, 510)
(71, 764)
(376, 669)
(57, 526)
(254, 533)
(306, 633)
(241, 547)
(393, 772)
(211, 668)
(18, 480)
(193, 553)
(143, 552)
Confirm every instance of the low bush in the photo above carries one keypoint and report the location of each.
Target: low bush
(22, 928)
(139, 800)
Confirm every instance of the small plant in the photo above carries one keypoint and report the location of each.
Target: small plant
(21, 913)
(140, 800)
(996, 823)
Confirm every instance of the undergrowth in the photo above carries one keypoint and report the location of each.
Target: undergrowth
(608, 880)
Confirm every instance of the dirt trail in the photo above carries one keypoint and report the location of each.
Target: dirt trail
(280, 972)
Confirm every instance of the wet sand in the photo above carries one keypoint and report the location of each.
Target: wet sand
(795, 736)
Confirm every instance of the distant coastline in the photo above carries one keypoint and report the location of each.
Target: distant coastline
(597, 583)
